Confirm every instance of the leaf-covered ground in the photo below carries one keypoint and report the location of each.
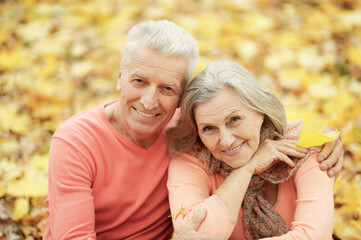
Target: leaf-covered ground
(58, 58)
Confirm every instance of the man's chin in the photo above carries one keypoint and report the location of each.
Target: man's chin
(146, 130)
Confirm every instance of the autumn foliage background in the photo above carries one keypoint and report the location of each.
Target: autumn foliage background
(60, 57)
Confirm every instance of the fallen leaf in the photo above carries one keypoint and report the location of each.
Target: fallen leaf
(311, 134)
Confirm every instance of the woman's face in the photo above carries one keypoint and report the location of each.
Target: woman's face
(229, 129)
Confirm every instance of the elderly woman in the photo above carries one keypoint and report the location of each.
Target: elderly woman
(225, 158)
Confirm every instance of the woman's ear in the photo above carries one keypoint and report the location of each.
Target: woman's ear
(262, 115)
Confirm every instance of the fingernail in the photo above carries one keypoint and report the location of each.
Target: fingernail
(323, 166)
(331, 173)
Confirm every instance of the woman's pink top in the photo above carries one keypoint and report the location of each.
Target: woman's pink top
(103, 186)
(305, 201)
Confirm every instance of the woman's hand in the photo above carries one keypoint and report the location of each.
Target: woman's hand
(270, 152)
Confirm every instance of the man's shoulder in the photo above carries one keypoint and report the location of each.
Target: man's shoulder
(80, 123)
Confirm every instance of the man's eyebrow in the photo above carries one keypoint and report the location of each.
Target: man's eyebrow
(138, 74)
(172, 84)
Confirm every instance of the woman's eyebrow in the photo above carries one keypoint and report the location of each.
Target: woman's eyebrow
(229, 115)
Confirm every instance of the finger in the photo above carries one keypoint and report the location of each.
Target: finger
(329, 129)
(294, 152)
(332, 158)
(197, 219)
(284, 158)
(291, 145)
(326, 150)
(336, 169)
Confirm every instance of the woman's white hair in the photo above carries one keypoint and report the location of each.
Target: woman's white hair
(216, 77)
(164, 37)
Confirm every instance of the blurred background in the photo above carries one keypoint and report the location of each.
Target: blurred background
(61, 57)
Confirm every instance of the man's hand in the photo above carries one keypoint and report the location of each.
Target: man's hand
(189, 231)
(331, 156)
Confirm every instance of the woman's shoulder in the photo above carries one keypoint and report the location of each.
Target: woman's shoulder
(186, 158)
(311, 166)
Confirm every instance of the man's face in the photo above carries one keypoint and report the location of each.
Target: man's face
(151, 85)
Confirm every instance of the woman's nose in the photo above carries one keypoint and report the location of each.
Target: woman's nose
(227, 138)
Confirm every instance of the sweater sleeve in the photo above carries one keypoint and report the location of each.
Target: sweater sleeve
(190, 187)
(313, 217)
(70, 194)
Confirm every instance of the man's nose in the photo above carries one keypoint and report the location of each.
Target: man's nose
(149, 98)
(227, 138)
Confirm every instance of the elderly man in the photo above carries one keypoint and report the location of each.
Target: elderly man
(108, 165)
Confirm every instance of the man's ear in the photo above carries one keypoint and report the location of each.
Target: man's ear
(119, 82)
(179, 103)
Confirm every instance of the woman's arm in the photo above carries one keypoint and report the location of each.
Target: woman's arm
(189, 231)
(190, 186)
(313, 217)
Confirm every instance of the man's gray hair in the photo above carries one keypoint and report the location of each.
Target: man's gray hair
(216, 77)
(164, 37)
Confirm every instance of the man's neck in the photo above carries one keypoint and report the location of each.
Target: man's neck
(114, 115)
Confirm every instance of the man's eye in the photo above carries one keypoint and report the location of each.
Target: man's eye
(138, 82)
(169, 91)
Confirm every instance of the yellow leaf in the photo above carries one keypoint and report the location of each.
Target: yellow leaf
(180, 211)
(289, 39)
(39, 162)
(348, 230)
(354, 55)
(294, 112)
(12, 59)
(27, 187)
(256, 23)
(34, 30)
(21, 208)
(312, 134)
(81, 68)
(10, 119)
(8, 146)
(247, 49)
(2, 191)
(9, 170)
(298, 77)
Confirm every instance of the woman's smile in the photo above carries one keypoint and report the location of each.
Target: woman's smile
(234, 150)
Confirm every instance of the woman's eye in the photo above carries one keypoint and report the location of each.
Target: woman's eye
(208, 128)
(139, 80)
(235, 119)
